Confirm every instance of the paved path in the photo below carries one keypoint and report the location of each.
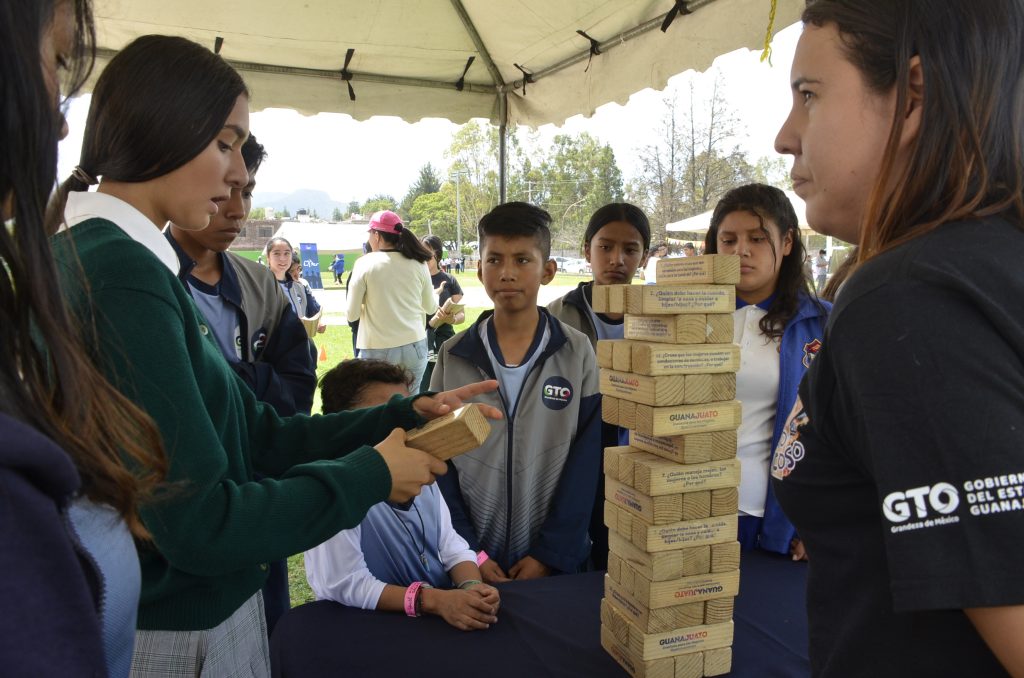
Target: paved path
(334, 304)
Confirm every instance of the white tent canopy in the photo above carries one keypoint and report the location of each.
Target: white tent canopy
(408, 55)
(329, 238)
(702, 222)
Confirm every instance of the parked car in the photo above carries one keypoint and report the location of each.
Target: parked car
(577, 267)
(561, 262)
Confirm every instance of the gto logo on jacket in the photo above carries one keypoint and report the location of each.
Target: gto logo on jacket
(556, 394)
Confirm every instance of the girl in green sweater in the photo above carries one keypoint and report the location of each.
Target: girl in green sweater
(163, 141)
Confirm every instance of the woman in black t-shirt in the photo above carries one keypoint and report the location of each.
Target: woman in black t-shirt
(902, 464)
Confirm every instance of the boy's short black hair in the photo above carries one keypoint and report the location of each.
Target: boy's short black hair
(341, 387)
(517, 220)
(253, 154)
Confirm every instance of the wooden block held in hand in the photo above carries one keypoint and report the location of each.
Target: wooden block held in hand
(455, 433)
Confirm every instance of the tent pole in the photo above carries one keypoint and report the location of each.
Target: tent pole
(502, 147)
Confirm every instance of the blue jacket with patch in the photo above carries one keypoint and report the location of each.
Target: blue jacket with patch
(278, 361)
(801, 340)
(529, 489)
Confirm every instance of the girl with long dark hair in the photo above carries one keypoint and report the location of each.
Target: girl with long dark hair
(902, 465)
(163, 140)
(778, 325)
(77, 457)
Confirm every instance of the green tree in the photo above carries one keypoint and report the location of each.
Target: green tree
(434, 213)
(377, 203)
(353, 208)
(336, 215)
(283, 214)
(258, 213)
(427, 182)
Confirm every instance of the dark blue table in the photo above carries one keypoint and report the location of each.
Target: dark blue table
(547, 628)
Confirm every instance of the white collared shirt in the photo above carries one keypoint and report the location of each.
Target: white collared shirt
(84, 205)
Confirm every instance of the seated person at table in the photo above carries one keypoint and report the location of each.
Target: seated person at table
(401, 557)
(526, 495)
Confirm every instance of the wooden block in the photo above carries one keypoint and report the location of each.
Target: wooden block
(680, 641)
(722, 269)
(599, 298)
(312, 324)
(626, 462)
(611, 458)
(717, 662)
(655, 476)
(684, 534)
(610, 410)
(725, 557)
(720, 328)
(655, 510)
(656, 668)
(719, 610)
(662, 566)
(657, 359)
(696, 505)
(689, 665)
(694, 448)
(615, 621)
(633, 299)
(455, 433)
(725, 501)
(616, 303)
(614, 567)
(701, 587)
(668, 329)
(724, 445)
(628, 413)
(604, 352)
(645, 620)
(667, 390)
(622, 352)
(678, 299)
(682, 419)
(707, 388)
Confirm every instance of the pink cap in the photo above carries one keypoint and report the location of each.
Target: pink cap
(386, 221)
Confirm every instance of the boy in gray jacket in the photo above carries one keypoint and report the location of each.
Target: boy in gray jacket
(524, 498)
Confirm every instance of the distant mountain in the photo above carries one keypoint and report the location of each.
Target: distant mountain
(303, 198)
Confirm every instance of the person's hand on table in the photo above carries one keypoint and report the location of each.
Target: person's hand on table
(410, 468)
(488, 594)
(797, 550)
(529, 568)
(444, 402)
(492, 573)
(464, 609)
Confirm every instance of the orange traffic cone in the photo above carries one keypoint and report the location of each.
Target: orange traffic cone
(323, 354)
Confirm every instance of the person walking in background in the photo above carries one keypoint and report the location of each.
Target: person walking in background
(650, 270)
(446, 286)
(779, 326)
(338, 267)
(901, 463)
(390, 294)
(820, 270)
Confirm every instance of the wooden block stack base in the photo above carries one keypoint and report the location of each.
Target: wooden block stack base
(671, 494)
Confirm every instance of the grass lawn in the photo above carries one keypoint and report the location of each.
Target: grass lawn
(337, 342)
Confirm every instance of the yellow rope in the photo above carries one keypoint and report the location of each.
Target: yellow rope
(767, 53)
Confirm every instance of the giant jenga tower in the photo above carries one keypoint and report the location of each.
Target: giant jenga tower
(671, 495)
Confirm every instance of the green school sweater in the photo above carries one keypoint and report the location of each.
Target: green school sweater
(216, 528)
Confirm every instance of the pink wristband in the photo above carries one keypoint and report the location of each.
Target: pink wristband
(482, 558)
(410, 598)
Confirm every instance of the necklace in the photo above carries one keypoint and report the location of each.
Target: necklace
(423, 533)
